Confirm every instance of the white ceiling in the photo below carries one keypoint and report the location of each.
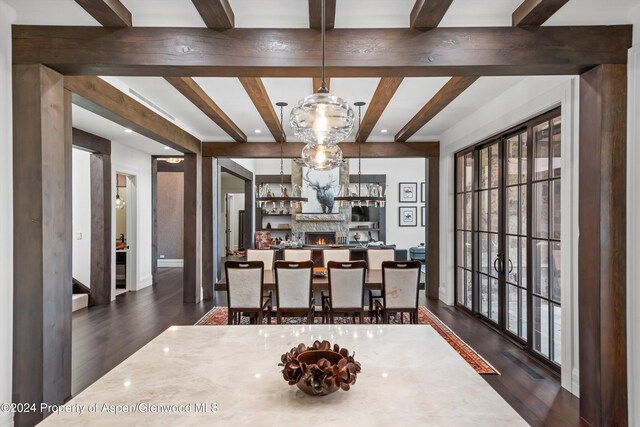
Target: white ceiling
(229, 94)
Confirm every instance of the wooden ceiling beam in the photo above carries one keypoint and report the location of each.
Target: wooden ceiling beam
(216, 14)
(260, 98)
(535, 12)
(427, 14)
(381, 52)
(99, 97)
(270, 150)
(109, 13)
(381, 97)
(198, 97)
(450, 91)
(315, 14)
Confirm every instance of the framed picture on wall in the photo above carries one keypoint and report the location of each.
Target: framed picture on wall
(408, 192)
(408, 216)
(422, 192)
(424, 220)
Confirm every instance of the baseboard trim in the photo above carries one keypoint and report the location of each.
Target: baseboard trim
(145, 281)
(170, 263)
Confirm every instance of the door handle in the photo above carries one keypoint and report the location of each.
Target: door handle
(495, 267)
(510, 266)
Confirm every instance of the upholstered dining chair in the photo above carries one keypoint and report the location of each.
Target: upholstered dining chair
(294, 295)
(245, 291)
(267, 256)
(375, 258)
(400, 287)
(340, 255)
(297, 254)
(346, 290)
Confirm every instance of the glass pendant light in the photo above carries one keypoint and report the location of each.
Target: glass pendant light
(119, 202)
(322, 119)
(322, 157)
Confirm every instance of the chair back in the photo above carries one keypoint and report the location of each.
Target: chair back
(293, 283)
(346, 284)
(244, 284)
(297, 254)
(375, 257)
(400, 284)
(340, 255)
(267, 256)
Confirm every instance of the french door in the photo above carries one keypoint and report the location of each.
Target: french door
(508, 218)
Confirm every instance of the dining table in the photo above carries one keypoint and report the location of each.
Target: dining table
(320, 282)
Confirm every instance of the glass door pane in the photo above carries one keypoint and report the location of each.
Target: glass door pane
(516, 237)
(464, 227)
(488, 234)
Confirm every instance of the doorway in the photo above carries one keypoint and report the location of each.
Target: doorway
(507, 245)
(125, 213)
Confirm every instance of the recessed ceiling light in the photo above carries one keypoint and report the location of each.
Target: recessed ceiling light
(128, 130)
(383, 131)
(167, 148)
(257, 131)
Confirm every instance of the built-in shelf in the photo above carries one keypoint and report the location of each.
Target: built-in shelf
(275, 229)
(275, 214)
(364, 229)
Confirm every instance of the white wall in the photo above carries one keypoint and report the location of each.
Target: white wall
(81, 216)
(7, 17)
(633, 228)
(133, 162)
(397, 171)
(527, 99)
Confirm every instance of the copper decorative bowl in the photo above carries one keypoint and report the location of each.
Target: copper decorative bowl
(320, 369)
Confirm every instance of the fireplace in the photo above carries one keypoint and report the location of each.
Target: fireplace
(316, 238)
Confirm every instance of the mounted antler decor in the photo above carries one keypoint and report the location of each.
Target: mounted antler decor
(319, 370)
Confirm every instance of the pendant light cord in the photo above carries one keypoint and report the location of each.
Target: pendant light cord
(359, 153)
(323, 86)
(281, 149)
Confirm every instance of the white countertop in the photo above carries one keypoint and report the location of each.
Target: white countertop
(410, 376)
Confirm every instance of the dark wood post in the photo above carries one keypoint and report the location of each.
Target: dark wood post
(101, 244)
(208, 215)
(602, 246)
(433, 227)
(154, 219)
(192, 228)
(42, 246)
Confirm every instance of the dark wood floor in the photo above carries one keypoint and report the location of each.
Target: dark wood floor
(105, 336)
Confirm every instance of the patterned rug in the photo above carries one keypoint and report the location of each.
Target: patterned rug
(218, 316)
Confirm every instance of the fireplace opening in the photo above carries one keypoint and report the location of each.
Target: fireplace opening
(320, 238)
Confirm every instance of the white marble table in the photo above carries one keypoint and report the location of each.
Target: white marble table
(410, 376)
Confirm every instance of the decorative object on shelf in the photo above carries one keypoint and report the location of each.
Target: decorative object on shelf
(375, 193)
(324, 184)
(264, 196)
(322, 120)
(320, 369)
(422, 192)
(408, 216)
(408, 192)
(424, 220)
(268, 226)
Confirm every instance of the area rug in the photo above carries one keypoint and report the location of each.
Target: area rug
(218, 316)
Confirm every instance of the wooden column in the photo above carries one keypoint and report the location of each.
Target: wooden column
(602, 246)
(433, 227)
(154, 219)
(208, 215)
(192, 272)
(42, 245)
(101, 237)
